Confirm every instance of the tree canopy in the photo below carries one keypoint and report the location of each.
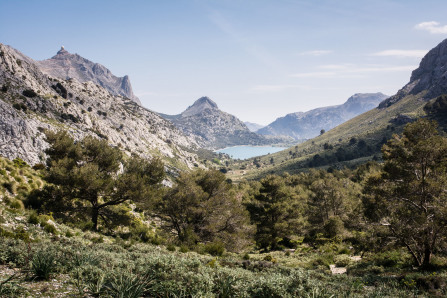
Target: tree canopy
(89, 176)
(409, 195)
(203, 207)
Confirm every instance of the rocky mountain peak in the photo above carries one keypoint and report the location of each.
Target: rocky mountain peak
(31, 102)
(430, 76)
(65, 65)
(62, 51)
(200, 105)
(432, 72)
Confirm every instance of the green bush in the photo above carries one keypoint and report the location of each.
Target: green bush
(43, 264)
(183, 248)
(10, 186)
(342, 260)
(49, 228)
(127, 285)
(394, 258)
(20, 163)
(214, 248)
(16, 204)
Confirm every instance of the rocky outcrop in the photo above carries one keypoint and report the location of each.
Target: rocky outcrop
(309, 124)
(214, 129)
(31, 102)
(430, 77)
(65, 65)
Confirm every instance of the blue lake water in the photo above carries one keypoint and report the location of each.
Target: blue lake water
(243, 152)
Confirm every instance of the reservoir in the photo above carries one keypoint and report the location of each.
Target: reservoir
(244, 152)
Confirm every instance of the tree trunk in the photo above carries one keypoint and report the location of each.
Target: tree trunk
(95, 214)
(427, 256)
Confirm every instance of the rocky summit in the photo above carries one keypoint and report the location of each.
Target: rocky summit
(306, 125)
(430, 76)
(32, 102)
(215, 129)
(65, 65)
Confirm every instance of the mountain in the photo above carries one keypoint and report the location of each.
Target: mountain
(361, 138)
(31, 102)
(214, 129)
(430, 77)
(65, 65)
(309, 124)
(253, 126)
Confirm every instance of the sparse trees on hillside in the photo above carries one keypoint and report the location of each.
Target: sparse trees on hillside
(410, 196)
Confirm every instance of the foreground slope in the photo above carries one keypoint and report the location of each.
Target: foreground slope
(309, 124)
(31, 102)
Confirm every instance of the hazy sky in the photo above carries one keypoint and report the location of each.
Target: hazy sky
(257, 59)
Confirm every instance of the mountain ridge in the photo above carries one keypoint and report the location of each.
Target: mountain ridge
(431, 75)
(360, 139)
(65, 65)
(306, 125)
(32, 102)
(214, 129)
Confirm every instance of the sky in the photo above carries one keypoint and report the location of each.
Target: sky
(257, 59)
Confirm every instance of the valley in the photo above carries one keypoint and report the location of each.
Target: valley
(101, 196)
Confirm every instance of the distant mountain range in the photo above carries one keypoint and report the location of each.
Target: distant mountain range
(65, 65)
(214, 129)
(361, 138)
(32, 101)
(306, 125)
(253, 126)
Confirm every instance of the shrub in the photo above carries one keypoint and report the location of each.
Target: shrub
(342, 260)
(10, 186)
(16, 204)
(49, 228)
(43, 264)
(128, 285)
(29, 93)
(183, 249)
(393, 258)
(214, 248)
(334, 227)
(269, 258)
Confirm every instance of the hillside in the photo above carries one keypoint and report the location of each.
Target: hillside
(31, 102)
(65, 65)
(361, 138)
(43, 256)
(214, 129)
(306, 125)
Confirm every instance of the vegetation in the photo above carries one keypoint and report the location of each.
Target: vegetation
(203, 207)
(409, 195)
(86, 179)
(105, 223)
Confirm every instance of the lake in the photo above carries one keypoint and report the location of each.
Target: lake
(244, 152)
